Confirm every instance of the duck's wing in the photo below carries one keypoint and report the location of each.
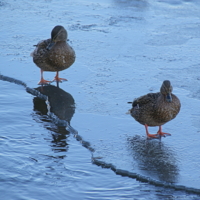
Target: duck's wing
(146, 99)
(43, 44)
(40, 48)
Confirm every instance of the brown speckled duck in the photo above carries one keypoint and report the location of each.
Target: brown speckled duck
(155, 109)
(54, 54)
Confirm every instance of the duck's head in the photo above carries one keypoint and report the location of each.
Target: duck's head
(58, 34)
(166, 90)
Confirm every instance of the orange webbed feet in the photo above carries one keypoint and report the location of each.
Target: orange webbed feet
(57, 79)
(150, 136)
(162, 134)
(43, 82)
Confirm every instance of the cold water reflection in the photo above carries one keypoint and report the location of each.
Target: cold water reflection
(62, 104)
(154, 159)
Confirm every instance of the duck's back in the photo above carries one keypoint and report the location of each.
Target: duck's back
(40, 55)
(143, 108)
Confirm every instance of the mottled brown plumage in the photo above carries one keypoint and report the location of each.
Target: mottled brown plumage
(155, 109)
(54, 54)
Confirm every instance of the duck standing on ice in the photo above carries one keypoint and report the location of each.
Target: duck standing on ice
(156, 109)
(54, 54)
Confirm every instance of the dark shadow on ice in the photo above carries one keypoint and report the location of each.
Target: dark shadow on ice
(154, 159)
(62, 105)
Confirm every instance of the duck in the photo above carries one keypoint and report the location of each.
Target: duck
(156, 109)
(54, 54)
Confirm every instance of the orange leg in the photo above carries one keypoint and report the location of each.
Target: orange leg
(42, 81)
(162, 134)
(57, 79)
(150, 135)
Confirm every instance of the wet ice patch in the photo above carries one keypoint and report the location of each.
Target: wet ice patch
(81, 27)
(167, 40)
(122, 20)
(132, 3)
(177, 34)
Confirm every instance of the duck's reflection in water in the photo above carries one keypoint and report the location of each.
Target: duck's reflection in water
(62, 105)
(155, 159)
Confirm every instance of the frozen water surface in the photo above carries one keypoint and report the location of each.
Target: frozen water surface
(124, 49)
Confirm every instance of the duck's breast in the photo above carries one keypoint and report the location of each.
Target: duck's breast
(61, 56)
